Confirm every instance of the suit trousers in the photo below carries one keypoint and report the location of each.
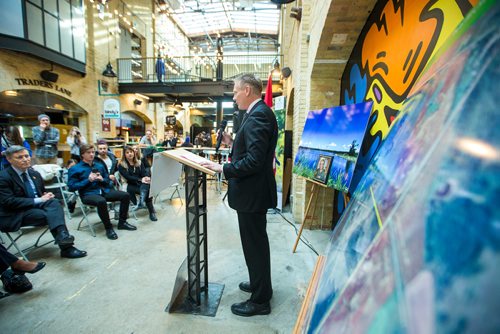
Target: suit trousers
(100, 201)
(48, 213)
(6, 259)
(255, 245)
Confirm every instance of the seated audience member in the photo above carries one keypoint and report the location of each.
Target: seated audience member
(147, 143)
(13, 279)
(143, 159)
(170, 139)
(24, 202)
(95, 188)
(71, 200)
(75, 139)
(12, 136)
(106, 157)
(138, 180)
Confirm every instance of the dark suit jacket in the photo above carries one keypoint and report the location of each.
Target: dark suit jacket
(252, 186)
(13, 197)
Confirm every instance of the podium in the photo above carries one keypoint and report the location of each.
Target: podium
(194, 294)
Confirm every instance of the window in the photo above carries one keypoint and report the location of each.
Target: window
(58, 25)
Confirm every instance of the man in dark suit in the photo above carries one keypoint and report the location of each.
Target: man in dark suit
(24, 202)
(252, 189)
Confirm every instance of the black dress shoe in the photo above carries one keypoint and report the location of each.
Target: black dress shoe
(72, 253)
(111, 234)
(245, 286)
(39, 266)
(249, 308)
(152, 216)
(63, 238)
(126, 226)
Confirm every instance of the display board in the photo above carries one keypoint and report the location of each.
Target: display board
(417, 249)
(329, 146)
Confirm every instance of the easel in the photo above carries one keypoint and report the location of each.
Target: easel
(314, 198)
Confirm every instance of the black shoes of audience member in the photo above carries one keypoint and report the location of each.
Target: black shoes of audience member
(39, 266)
(63, 238)
(249, 308)
(245, 286)
(126, 226)
(72, 253)
(15, 283)
(111, 234)
(71, 207)
(152, 216)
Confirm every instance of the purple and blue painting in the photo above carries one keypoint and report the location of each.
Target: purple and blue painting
(336, 132)
(418, 248)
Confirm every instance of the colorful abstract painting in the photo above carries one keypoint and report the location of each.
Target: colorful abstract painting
(394, 47)
(335, 132)
(417, 250)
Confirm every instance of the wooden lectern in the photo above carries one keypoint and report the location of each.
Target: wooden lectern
(194, 295)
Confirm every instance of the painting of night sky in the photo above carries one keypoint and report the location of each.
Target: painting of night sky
(336, 132)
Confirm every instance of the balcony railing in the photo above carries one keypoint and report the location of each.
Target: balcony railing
(193, 68)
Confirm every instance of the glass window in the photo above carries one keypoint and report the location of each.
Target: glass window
(65, 26)
(50, 6)
(11, 18)
(51, 32)
(37, 2)
(34, 17)
(79, 33)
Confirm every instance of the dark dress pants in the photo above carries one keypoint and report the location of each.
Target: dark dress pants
(100, 201)
(257, 256)
(48, 213)
(6, 259)
(134, 189)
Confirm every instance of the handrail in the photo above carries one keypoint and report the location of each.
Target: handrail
(193, 68)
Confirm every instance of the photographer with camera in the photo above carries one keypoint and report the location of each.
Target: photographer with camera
(45, 138)
(75, 139)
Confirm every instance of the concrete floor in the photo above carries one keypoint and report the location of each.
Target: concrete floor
(124, 286)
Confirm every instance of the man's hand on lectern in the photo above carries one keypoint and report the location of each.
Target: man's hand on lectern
(212, 166)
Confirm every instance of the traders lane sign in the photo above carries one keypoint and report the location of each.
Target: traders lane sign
(42, 83)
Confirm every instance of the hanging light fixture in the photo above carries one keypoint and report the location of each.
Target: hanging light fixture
(177, 103)
(108, 71)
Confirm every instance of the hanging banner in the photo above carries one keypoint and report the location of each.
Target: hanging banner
(111, 109)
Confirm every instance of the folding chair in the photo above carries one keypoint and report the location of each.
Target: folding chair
(85, 208)
(122, 186)
(21, 232)
(51, 169)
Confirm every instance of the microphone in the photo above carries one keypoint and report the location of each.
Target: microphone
(219, 135)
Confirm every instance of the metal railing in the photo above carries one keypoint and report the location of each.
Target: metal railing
(193, 68)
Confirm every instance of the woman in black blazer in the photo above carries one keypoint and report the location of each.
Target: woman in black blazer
(138, 179)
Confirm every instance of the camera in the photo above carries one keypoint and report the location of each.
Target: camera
(77, 133)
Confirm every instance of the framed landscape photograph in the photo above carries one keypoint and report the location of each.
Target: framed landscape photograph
(335, 132)
(322, 168)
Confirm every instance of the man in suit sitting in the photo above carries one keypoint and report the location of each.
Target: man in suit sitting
(24, 202)
(252, 189)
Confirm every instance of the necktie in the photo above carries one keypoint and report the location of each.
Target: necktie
(27, 185)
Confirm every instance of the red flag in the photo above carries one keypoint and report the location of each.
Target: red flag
(268, 97)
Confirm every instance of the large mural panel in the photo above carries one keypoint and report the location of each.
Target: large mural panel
(396, 44)
(418, 248)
